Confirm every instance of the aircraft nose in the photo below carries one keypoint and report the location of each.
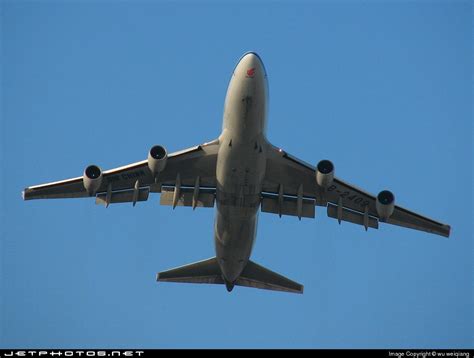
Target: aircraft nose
(250, 66)
(252, 58)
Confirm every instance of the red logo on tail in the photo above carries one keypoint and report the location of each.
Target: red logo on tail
(251, 72)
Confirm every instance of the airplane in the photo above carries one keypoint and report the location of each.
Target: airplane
(241, 173)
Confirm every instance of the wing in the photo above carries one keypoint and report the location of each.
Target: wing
(121, 183)
(288, 176)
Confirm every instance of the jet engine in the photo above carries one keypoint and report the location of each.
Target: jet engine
(157, 159)
(385, 204)
(92, 179)
(324, 173)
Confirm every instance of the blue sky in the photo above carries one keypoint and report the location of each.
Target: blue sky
(383, 89)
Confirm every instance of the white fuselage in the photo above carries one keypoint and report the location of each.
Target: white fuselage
(241, 164)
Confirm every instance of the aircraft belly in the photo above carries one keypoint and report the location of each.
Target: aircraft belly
(240, 171)
(234, 237)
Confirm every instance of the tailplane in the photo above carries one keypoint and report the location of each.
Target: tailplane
(258, 276)
(208, 271)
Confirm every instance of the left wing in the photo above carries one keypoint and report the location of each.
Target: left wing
(133, 182)
(288, 177)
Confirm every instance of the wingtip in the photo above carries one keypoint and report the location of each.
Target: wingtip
(26, 194)
(448, 229)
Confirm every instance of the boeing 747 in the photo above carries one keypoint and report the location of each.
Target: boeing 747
(240, 173)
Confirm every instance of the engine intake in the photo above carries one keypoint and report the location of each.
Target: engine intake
(385, 204)
(324, 173)
(157, 158)
(92, 179)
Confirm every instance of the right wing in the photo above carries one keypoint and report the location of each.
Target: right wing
(356, 199)
(188, 164)
(288, 177)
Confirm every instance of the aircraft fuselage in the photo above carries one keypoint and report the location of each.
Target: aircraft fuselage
(241, 164)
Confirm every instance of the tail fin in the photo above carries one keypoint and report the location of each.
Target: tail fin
(258, 276)
(208, 271)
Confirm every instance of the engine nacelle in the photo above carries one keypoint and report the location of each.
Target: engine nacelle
(157, 157)
(92, 179)
(385, 204)
(324, 173)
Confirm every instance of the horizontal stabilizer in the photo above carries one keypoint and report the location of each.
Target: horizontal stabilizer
(258, 276)
(206, 271)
